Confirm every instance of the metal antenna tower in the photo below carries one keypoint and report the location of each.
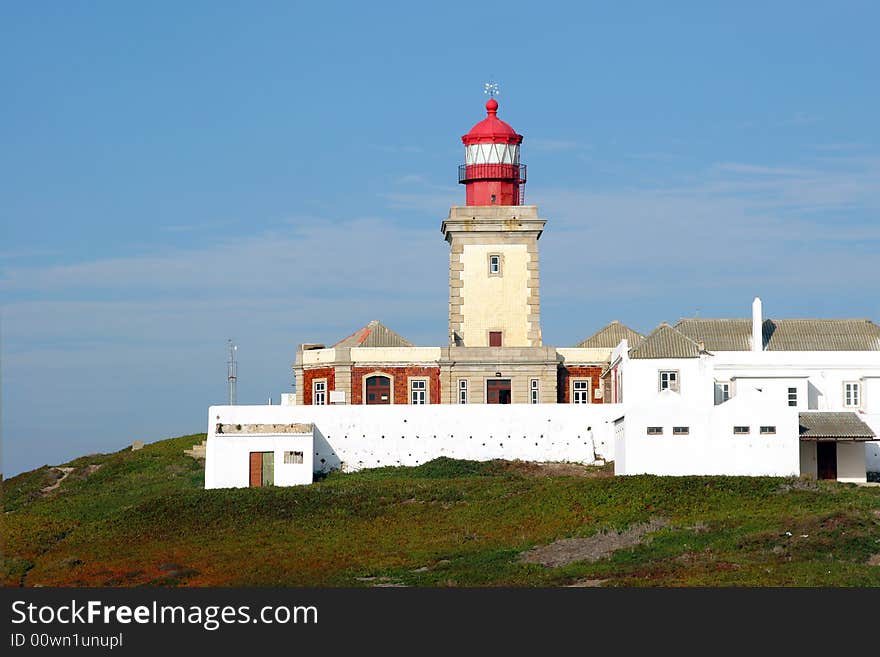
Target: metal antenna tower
(232, 371)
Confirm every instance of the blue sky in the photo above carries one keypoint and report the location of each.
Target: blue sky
(174, 174)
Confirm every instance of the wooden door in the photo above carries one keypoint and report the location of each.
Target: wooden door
(256, 469)
(378, 390)
(826, 460)
(268, 469)
(262, 469)
(498, 391)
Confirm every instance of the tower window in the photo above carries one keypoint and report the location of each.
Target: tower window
(494, 338)
(494, 265)
(493, 199)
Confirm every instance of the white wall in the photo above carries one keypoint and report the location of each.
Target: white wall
(850, 462)
(356, 437)
(641, 379)
(227, 457)
(872, 449)
(710, 446)
(809, 459)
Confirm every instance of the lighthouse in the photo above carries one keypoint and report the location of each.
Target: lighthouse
(493, 239)
(492, 173)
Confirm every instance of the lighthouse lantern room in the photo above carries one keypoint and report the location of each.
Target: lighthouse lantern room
(492, 173)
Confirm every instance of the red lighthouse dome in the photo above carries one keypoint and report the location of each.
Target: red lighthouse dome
(492, 173)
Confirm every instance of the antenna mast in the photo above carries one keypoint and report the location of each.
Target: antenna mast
(232, 371)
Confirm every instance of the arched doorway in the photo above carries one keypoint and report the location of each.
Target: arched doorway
(378, 390)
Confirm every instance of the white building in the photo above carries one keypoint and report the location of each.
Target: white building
(822, 374)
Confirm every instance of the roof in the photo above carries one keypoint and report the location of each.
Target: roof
(821, 425)
(666, 342)
(785, 334)
(610, 337)
(374, 334)
(492, 129)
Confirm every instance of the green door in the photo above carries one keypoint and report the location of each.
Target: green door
(268, 478)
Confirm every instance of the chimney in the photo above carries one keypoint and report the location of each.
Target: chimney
(757, 325)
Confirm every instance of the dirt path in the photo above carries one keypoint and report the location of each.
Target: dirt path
(569, 550)
(65, 473)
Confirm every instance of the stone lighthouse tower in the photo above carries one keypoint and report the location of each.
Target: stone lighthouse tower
(494, 302)
(493, 266)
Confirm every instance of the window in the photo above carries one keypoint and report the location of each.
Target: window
(792, 396)
(293, 458)
(722, 392)
(768, 430)
(681, 431)
(655, 431)
(669, 380)
(851, 394)
(533, 391)
(418, 389)
(740, 430)
(494, 265)
(494, 338)
(319, 392)
(580, 391)
(462, 391)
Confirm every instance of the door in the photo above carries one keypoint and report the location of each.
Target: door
(498, 391)
(378, 390)
(256, 473)
(826, 460)
(262, 469)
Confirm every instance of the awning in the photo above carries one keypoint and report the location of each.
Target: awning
(822, 425)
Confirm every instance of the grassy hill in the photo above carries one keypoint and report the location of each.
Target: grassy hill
(135, 518)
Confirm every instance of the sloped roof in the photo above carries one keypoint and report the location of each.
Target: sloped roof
(821, 425)
(785, 334)
(821, 335)
(666, 342)
(719, 334)
(374, 334)
(610, 336)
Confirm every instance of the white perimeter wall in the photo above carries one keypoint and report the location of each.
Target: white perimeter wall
(355, 437)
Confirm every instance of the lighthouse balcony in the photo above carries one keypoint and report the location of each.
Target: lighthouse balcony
(512, 172)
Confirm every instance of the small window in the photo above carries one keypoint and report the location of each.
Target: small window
(462, 391)
(792, 396)
(580, 391)
(669, 380)
(533, 391)
(319, 392)
(768, 429)
(494, 265)
(418, 391)
(722, 392)
(740, 430)
(681, 431)
(494, 338)
(655, 431)
(852, 397)
(293, 458)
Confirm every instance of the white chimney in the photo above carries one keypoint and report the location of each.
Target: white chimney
(757, 325)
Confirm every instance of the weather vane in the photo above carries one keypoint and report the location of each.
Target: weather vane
(491, 88)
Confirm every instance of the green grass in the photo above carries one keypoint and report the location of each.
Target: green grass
(144, 518)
